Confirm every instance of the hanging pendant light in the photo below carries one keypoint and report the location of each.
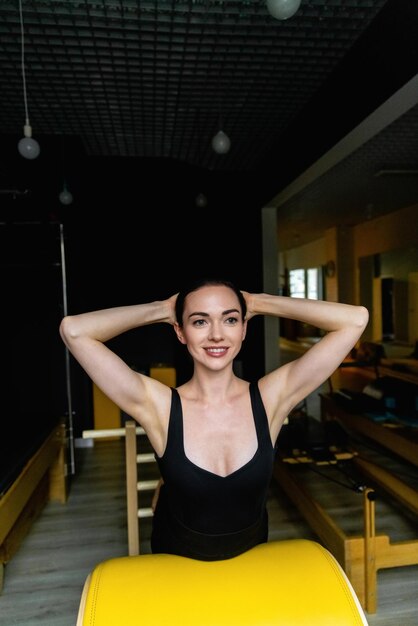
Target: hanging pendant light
(201, 201)
(66, 197)
(27, 146)
(221, 143)
(282, 9)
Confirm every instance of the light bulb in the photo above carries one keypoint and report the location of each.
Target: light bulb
(28, 147)
(201, 200)
(221, 142)
(66, 197)
(282, 9)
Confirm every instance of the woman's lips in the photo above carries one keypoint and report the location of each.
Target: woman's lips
(216, 352)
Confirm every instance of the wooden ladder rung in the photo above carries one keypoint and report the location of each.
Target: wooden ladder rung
(147, 485)
(145, 512)
(146, 457)
(103, 433)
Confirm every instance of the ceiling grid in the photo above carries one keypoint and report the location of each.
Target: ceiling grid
(157, 78)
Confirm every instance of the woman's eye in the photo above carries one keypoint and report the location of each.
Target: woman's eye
(231, 320)
(199, 322)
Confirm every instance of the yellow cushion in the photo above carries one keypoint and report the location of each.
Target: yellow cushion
(280, 583)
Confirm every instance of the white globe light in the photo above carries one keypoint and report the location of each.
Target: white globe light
(201, 200)
(282, 9)
(66, 197)
(28, 148)
(221, 142)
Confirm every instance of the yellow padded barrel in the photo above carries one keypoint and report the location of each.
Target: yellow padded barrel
(280, 583)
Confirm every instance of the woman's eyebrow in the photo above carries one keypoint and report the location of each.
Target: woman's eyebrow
(202, 314)
(199, 313)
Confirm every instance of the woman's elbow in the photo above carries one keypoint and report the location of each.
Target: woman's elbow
(362, 318)
(66, 329)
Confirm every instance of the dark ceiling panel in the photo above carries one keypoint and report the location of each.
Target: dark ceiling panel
(154, 78)
(157, 80)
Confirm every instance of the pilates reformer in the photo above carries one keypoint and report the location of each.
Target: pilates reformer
(282, 583)
(360, 556)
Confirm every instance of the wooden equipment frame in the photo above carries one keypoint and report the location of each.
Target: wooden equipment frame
(42, 478)
(396, 440)
(360, 556)
(134, 486)
(131, 431)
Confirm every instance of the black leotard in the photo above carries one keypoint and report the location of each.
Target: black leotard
(205, 516)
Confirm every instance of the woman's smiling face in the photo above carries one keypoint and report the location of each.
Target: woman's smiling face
(213, 329)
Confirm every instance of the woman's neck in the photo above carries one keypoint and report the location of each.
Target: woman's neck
(206, 386)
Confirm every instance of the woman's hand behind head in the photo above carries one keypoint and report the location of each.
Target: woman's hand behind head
(171, 313)
(248, 297)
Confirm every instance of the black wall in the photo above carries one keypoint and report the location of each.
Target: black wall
(132, 234)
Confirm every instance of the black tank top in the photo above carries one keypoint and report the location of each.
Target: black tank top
(206, 516)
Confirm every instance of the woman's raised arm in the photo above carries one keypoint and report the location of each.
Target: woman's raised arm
(343, 325)
(86, 334)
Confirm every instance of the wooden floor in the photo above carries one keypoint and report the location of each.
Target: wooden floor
(44, 580)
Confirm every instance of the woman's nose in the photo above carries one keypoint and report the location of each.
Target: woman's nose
(216, 332)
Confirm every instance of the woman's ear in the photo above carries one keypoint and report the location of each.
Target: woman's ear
(179, 333)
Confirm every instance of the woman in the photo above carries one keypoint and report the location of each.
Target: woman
(214, 436)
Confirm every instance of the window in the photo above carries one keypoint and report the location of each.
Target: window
(297, 283)
(305, 283)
